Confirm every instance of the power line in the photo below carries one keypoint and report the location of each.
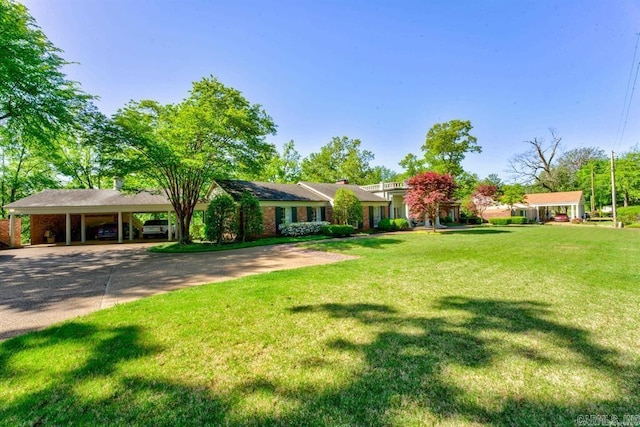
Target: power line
(627, 105)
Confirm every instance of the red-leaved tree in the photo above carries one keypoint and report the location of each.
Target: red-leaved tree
(483, 197)
(429, 192)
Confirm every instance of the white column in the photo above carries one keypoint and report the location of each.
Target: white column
(83, 228)
(130, 225)
(119, 227)
(68, 230)
(11, 236)
(537, 214)
(169, 229)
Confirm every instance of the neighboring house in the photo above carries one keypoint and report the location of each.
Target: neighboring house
(542, 206)
(303, 202)
(394, 192)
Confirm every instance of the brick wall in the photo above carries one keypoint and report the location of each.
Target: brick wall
(269, 221)
(496, 213)
(17, 229)
(57, 224)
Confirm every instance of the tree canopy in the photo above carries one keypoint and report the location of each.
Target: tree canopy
(341, 158)
(447, 144)
(213, 133)
(347, 208)
(428, 193)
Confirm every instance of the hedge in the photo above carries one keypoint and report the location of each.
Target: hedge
(333, 230)
(388, 224)
(508, 220)
(400, 224)
(295, 229)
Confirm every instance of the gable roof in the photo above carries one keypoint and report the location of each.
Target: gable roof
(269, 191)
(554, 199)
(329, 191)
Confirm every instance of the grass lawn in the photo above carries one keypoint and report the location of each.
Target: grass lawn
(175, 248)
(533, 325)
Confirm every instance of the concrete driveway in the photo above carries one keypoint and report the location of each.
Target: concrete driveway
(41, 285)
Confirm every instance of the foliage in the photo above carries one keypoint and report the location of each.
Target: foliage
(412, 166)
(508, 220)
(401, 224)
(447, 144)
(386, 224)
(250, 224)
(302, 228)
(334, 230)
(628, 215)
(428, 193)
(381, 174)
(213, 133)
(283, 168)
(347, 208)
(341, 158)
(628, 176)
(512, 194)
(483, 197)
(221, 222)
(37, 102)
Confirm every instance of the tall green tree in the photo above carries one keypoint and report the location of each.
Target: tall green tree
(628, 176)
(447, 145)
(250, 224)
(347, 208)
(184, 147)
(221, 220)
(283, 167)
(37, 101)
(412, 165)
(341, 158)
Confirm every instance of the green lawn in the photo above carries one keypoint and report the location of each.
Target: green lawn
(533, 325)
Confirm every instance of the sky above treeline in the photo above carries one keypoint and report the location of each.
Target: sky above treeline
(383, 72)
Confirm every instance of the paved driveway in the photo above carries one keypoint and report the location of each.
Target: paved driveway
(42, 285)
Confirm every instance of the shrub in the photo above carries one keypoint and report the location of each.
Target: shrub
(500, 220)
(221, 220)
(386, 224)
(334, 230)
(446, 220)
(518, 220)
(250, 223)
(400, 224)
(347, 208)
(302, 228)
(629, 215)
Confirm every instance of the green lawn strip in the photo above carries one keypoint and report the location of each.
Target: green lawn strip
(175, 248)
(497, 326)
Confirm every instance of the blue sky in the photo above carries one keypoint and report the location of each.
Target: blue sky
(380, 71)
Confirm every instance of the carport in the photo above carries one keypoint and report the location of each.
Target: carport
(572, 202)
(68, 210)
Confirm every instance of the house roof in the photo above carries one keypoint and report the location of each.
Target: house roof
(88, 198)
(269, 191)
(554, 199)
(329, 191)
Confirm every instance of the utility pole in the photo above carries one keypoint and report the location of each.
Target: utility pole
(613, 191)
(593, 192)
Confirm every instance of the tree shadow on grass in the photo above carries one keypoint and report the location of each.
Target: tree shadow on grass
(477, 231)
(352, 243)
(407, 375)
(408, 370)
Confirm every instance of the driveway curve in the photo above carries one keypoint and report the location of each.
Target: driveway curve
(42, 285)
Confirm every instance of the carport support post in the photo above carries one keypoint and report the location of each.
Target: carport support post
(83, 228)
(11, 236)
(130, 225)
(119, 227)
(169, 228)
(68, 229)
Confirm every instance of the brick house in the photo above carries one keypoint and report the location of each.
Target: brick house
(302, 202)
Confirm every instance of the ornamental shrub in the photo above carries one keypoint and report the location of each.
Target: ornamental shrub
(518, 220)
(629, 215)
(400, 224)
(221, 220)
(250, 223)
(334, 230)
(500, 220)
(295, 229)
(386, 224)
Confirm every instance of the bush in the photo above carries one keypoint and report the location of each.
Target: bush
(500, 221)
(295, 229)
(386, 224)
(518, 220)
(221, 223)
(446, 220)
(629, 215)
(400, 224)
(334, 230)
(250, 223)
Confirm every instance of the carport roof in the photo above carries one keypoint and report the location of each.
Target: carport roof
(554, 199)
(60, 201)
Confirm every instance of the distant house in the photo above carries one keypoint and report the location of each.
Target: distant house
(394, 192)
(542, 206)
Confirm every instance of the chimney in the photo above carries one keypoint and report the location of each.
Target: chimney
(342, 181)
(117, 183)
